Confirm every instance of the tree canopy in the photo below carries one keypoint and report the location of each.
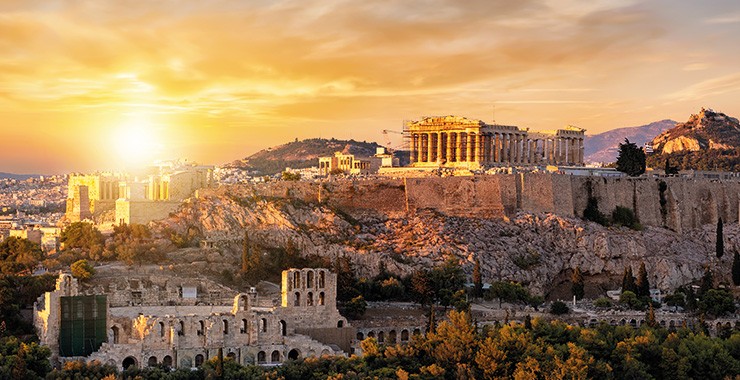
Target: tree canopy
(631, 159)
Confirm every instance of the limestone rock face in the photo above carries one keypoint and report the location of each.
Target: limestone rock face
(706, 130)
(538, 249)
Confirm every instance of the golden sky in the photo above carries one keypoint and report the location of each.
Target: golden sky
(98, 84)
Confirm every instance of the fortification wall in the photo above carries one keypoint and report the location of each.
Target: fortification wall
(689, 203)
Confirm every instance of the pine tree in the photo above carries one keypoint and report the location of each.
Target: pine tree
(720, 239)
(631, 159)
(577, 286)
(736, 269)
(628, 281)
(650, 318)
(642, 284)
(477, 279)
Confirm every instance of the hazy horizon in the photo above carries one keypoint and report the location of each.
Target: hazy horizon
(88, 85)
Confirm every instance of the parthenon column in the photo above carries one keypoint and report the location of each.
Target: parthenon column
(469, 148)
(448, 146)
(580, 152)
(477, 157)
(414, 147)
(458, 146)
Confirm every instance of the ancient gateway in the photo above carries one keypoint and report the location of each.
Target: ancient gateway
(181, 326)
(454, 141)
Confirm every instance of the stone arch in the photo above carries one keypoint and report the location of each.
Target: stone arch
(294, 354)
(231, 356)
(340, 323)
(201, 328)
(381, 337)
(311, 353)
(371, 334)
(275, 357)
(116, 334)
(296, 280)
(283, 328)
(325, 353)
(152, 361)
(129, 362)
(322, 300)
(225, 326)
(309, 279)
(309, 299)
(633, 323)
(392, 337)
(181, 332)
(161, 329)
(360, 336)
(243, 329)
(263, 324)
(199, 359)
(322, 279)
(297, 299)
(404, 335)
(417, 331)
(261, 357)
(167, 361)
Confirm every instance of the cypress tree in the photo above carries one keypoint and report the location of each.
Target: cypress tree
(628, 281)
(651, 317)
(477, 279)
(577, 286)
(642, 284)
(707, 282)
(720, 239)
(736, 268)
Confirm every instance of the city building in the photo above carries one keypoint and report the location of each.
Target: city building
(452, 141)
(180, 323)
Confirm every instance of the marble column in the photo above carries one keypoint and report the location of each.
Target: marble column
(470, 148)
(414, 147)
(448, 146)
(458, 146)
(580, 151)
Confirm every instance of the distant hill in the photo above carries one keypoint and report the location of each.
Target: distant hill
(301, 154)
(709, 140)
(604, 147)
(20, 177)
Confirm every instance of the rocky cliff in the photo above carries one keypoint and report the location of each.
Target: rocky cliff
(537, 248)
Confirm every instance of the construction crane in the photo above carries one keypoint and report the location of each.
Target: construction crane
(388, 143)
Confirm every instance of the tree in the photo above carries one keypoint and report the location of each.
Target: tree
(355, 308)
(288, 176)
(477, 279)
(628, 281)
(720, 239)
(670, 170)
(18, 255)
(707, 281)
(736, 268)
(642, 285)
(631, 159)
(83, 236)
(717, 302)
(82, 270)
(592, 213)
(676, 300)
(577, 286)
(559, 308)
(650, 317)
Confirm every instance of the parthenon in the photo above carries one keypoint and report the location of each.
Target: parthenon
(455, 141)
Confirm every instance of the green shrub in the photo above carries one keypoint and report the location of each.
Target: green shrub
(559, 308)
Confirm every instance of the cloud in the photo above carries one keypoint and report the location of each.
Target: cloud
(709, 88)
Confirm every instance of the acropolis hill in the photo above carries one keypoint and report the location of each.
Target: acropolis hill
(503, 220)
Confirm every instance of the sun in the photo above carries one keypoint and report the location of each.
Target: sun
(136, 141)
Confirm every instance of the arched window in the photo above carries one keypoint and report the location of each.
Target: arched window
(181, 332)
(261, 357)
(161, 329)
(129, 362)
(243, 302)
(321, 299)
(167, 361)
(371, 334)
(297, 299)
(152, 361)
(283, 328)
(231, 356)
(417, 332)
(404, 335)
(293, 354)
(116, 334)
(360, 336)
(275, 357)
(381, 337)
(199, 360)
(340, 324)
(263, 324)
(309, 299)
(296, 280)
(201, 328)
(322, 278)
(226, 326)
(392, 337)
(243, 330)
(309, 279)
